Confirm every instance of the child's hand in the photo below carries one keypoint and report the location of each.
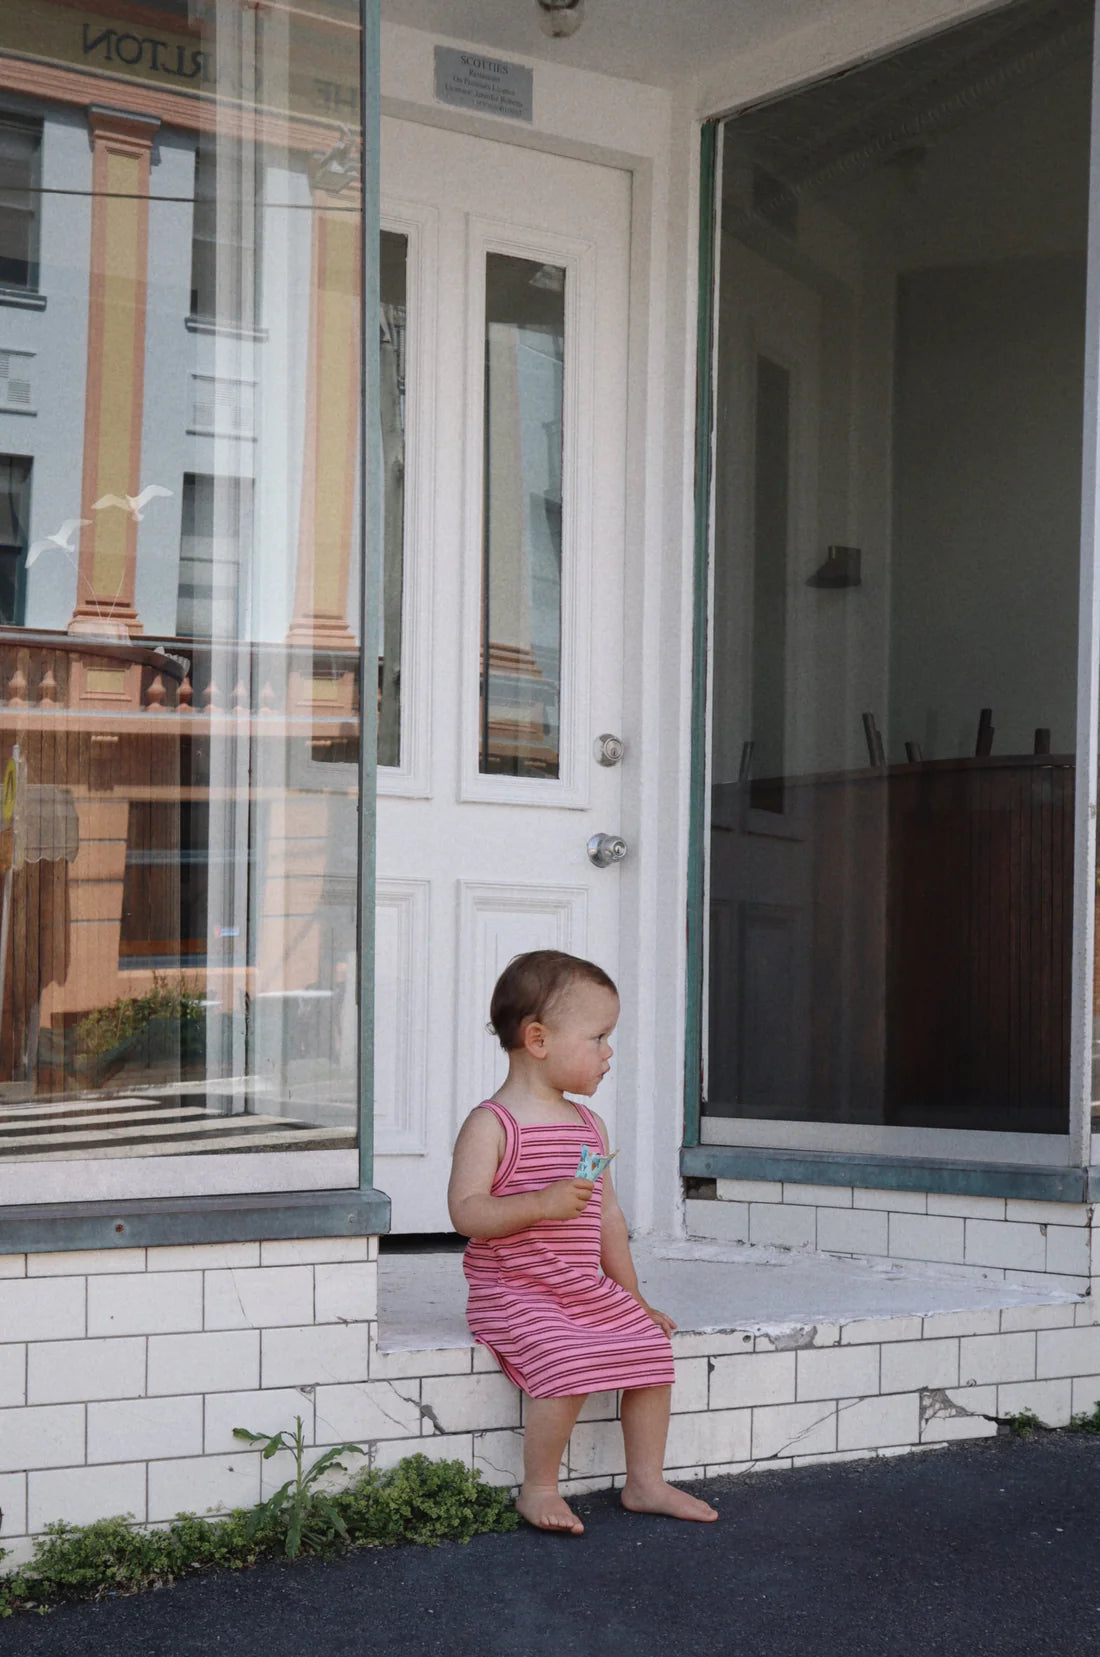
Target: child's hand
(661, 1319)
(566, 1198)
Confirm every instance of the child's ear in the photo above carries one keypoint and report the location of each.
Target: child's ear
(534, 1038)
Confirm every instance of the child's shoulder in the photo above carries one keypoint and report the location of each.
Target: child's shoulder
(484, 1122)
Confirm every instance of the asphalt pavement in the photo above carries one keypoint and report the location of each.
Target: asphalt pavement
(980, 1550)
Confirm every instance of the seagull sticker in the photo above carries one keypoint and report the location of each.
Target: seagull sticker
(60, 541)
(132, 503)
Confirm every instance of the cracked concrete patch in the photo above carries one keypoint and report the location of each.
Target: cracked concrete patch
(794, 1340)
(427, 1413)
(936, 1404)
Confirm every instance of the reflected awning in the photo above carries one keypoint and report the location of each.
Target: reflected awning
(46, 825)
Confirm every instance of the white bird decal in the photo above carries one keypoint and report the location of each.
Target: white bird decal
(61, 540)
(132, 503)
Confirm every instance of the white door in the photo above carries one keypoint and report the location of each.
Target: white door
(505, 354)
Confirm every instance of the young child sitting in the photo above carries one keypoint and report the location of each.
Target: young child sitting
(553, 1290)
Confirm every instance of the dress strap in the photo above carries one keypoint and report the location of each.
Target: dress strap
(511, 1139)
(591, 1123)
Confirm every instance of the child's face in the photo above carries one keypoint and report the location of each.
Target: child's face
(576, 1034)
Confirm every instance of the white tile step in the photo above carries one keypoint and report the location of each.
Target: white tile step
(712, 1286)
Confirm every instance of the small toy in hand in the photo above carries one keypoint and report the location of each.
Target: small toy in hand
(592, 1164)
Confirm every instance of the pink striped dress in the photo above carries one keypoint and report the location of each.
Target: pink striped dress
(538, 1300)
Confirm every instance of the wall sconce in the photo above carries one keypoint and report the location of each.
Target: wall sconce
(560, 18)
(842, 568)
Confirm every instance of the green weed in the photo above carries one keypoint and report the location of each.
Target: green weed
(416, 1501)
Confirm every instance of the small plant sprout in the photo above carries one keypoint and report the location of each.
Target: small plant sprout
(309, 1515)
(1023, 1422)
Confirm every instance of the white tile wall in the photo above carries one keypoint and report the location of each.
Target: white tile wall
(307, 1355)
(32, 1310)
(156, 1303)
(782, 1225)
(913, 1364)
(760, 1378)
(984, 1358)
(81, 1494)
(121, 1384)
(142, 1429)
(926, 1237)
(793, 1429)
(271, 1411)
(13, 1377)
(852, 1231)
(1040, 1244)
(214, 1362)
(13, 1505)
(838, 1372)
(262, 1299)
(368, 1409)
(201, 1483)
(50, 1435)
(61, 1372)
(870, 1423)
(1052, 1401)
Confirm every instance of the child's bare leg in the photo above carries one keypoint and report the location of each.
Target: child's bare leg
(548, 1423)
(645, 1415)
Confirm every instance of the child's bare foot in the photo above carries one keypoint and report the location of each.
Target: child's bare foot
(546, 1510)
(666, 1499)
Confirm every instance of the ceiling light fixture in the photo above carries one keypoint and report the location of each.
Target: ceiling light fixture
(560, 18)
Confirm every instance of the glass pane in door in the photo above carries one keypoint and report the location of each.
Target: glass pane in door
(522, 547)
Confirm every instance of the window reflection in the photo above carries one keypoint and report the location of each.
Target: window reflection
(900, 316)
(179, 592)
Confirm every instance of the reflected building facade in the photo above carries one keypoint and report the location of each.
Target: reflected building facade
(180, 429)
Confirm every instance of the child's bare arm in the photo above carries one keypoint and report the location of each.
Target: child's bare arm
(615, 1256)
(475, 1212)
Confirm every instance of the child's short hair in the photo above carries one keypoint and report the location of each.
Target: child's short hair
(529, 986)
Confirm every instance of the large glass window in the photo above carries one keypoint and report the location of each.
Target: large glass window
(900, 319)
(180, 598)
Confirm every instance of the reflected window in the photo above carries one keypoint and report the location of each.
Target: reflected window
(216, 525)
(20, 151)
(521, 581)
(225, 234)
(166, 886)
(15, 490)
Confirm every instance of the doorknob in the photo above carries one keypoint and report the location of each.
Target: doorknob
(609, 749)
(605, 849)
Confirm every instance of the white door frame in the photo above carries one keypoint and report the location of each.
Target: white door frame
(623, 124)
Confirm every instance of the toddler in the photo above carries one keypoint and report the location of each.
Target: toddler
(553, 1290)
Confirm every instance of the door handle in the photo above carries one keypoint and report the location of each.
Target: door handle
(605, 849)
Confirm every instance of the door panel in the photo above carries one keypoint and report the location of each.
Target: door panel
(526, 293)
